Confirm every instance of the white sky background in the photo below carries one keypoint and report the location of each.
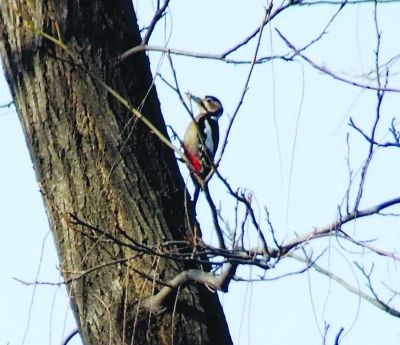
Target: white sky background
(281, 311)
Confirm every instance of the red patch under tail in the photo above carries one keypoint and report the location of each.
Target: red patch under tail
(195, 161)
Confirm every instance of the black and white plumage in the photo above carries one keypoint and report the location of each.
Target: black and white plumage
(202, 136)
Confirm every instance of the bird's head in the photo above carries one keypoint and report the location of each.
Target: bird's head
(208, 104)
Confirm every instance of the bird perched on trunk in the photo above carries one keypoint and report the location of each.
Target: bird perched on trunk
(201, 139)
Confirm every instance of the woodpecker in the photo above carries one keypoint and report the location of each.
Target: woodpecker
(201, 138)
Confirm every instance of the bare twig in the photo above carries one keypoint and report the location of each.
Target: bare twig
(271, 228)
(380, 94)
(328, 72)
(242, 226)
(372, 141)
(325, 335)
(376, 300)
(70, 336)
(350, 174)
(157, 16)
(338, 335)
(338, 2)
(245, 87)
(153, 129)
(394, 131)
(82, 274)
(246, 202)
(177, 88)
(356, 291)
(6, 105)
(323, 32)
(335, 226)
(214, 213)
(198, 55)
(222, 56)
(373, 249)
(259, 29)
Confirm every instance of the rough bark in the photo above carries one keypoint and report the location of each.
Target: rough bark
(93, 159)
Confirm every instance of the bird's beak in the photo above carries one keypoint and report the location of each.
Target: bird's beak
(195, 99)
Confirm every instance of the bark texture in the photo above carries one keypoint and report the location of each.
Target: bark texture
(92, 158)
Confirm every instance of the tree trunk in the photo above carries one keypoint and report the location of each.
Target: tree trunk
(96, 163)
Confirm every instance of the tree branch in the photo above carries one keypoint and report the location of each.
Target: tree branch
(352, 289)
(6, 105)
(376, 300)
(199, 55)
(325, 70)
(157, 16)
(214, 213)
(157, 303)
(335, 226)
(370, 140)
(70, 336)
(338, 2)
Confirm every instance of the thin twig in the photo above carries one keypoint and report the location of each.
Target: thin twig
(340, 331)
(365, 245)
(177, 88)
(376, 300)
(380, 94)
(370, 140)
(355, 291)
(338, 2)
(223, 55)
(70, 336)
(326, 71)
(6, 105)
(245, 87)
(157, 16)
(243, 200)
(214, 213)
(327, 230)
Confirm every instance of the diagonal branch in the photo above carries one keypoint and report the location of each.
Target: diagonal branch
(325, 70)
(157, 16)
(259, 29)
(376, 302)
(335, 226)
